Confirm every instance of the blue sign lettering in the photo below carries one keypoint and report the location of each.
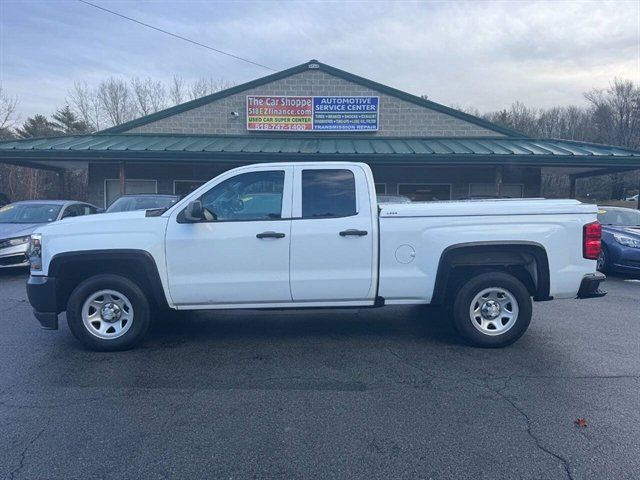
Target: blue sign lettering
(345, 113)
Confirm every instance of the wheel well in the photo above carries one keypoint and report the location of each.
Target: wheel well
(72, 269)
(527, 262)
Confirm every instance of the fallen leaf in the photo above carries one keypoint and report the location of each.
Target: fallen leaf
(581, 422)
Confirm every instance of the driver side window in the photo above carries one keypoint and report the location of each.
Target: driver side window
(248, 196)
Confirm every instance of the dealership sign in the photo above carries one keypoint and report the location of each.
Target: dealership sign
(343, 114)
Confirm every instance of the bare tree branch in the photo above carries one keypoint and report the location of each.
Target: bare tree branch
(8, 116)
(176, 90)
(84, 103)
(116, 100)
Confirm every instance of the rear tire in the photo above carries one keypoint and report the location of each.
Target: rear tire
(492, 310)
(603, 260)
(108, 313)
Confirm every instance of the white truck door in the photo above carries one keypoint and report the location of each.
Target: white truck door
(240, 255)
(332, 235)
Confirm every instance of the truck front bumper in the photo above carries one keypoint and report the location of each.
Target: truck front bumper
(43, 298)
(590, 286)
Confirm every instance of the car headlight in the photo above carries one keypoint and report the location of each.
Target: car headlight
(35, 251)
(627, 241)
(12, 242)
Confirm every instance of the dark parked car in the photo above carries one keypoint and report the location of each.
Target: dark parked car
(128, 203)
(620, 239)
(18, 220)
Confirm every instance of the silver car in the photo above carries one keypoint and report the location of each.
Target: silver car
(18, 220)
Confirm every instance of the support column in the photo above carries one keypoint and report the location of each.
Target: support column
(638, 204)
(62, 185)
(572, 187)
(122, 176)
(498, 181)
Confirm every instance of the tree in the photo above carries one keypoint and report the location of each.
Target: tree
(206, 86)
(86, 105)
(615, 113)
(38, 126)
(8, 118)
(67, 122)
(150, 95)
(116, 100)
(176, 90)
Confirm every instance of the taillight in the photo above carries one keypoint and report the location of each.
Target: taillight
(591, 240)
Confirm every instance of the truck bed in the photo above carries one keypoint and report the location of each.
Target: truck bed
(458, 208)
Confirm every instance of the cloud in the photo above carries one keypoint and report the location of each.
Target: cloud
(480, 54)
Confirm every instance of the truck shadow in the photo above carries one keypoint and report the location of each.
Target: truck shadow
(13, 273)
(418, 322)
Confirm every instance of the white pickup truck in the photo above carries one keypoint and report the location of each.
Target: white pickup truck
(309, 235)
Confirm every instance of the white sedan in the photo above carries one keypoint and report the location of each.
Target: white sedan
(18, 221)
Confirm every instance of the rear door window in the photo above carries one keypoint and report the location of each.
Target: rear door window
(328, 193)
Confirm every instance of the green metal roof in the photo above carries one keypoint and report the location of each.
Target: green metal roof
(311, 65)
(258, 148)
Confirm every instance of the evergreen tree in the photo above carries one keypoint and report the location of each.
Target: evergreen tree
(66, 121)
(38, 126)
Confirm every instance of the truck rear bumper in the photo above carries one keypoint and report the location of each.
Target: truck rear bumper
(590, 286)
(42, 297)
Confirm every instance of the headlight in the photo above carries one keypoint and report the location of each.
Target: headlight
(35, 251)
(12, 242)
(627, 241)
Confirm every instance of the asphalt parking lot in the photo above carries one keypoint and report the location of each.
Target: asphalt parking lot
(387, 393)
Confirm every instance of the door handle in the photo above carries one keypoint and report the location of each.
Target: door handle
(353, 232)
(270, 235)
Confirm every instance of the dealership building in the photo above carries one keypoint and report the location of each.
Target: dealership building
(312, 112)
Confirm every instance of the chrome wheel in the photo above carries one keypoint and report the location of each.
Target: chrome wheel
(494, 311)
(107, 314)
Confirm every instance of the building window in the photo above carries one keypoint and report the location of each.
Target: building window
(131, 187)
(381, 188)
(425, 192)
(488, 190)
(185, 187)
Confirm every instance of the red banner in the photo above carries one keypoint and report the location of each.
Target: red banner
(279, 113)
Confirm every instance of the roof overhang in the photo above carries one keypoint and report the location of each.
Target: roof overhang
(70, 151)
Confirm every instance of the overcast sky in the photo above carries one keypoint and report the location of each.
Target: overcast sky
(471, 54)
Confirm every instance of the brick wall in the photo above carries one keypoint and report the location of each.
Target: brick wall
(397, 117)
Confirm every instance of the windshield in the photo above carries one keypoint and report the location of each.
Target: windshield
(621, 217)
(127, 204)
(29, 213)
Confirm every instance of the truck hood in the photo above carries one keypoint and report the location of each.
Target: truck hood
(12, 230)
(515, 206)
(94, 223)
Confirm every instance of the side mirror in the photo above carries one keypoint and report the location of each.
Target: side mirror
(194, 212)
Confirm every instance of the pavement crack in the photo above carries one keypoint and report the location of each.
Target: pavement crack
(566, 377)
(23, 454)
(408, 363)
(538, 442)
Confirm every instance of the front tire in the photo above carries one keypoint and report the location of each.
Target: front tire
(492, 310)
(108, 313)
